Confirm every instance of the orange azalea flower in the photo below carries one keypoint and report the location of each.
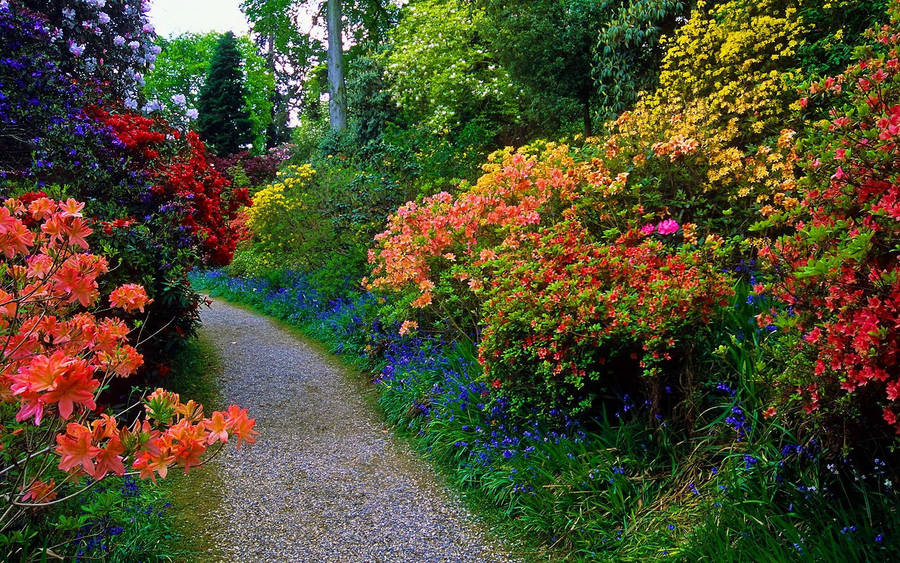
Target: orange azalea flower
(123, 361)
(104, 427)
(71, 208)
(218, 429)
(7, 220)
(40, 491)
(76, 231)
(41, 208)
(110, 333)
(240, 425)
(109, 460)
(129, 297)
(40, 373)
(75, 448)
(74, 284)
(151, 465)
(16, 239)
(188, 453)
(422, 301)
(75, 386)
(407, 327)
(191, 411)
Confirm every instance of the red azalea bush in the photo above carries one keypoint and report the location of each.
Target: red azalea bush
(181, 175)
(563, 312)
(57, 359)
(839, 266)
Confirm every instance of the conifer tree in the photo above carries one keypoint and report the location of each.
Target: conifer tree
(223, 120)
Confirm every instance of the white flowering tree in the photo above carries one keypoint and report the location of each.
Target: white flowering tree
(442, 69)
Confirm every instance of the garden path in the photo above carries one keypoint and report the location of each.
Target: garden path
(326, 480)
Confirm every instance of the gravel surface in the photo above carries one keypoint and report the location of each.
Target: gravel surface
(326, 480)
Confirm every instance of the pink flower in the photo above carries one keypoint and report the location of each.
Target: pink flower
(667, 227)
(839, 174)
(647, 229)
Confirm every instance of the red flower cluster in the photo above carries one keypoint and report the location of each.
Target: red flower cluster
(135, 131)
(843, 280)
(180, 172)
(564, 306)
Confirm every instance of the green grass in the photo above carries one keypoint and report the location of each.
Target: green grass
(196, 496)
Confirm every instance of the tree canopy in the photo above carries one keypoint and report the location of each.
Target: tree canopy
(181, 70)
(224, 121)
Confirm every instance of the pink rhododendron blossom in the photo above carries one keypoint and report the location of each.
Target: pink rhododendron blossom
(667, 227)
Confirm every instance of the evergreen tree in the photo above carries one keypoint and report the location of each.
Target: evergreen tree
(223, 121)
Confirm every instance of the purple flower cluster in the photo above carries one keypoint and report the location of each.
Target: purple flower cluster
(46, 81)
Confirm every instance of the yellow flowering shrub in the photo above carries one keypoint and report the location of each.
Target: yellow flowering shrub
(279, 218)
(710, 145)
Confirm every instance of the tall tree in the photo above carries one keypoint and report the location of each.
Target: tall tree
(548, 45)
(182, 66)
(337, 91)
(291, 32)
(290, 52)
(224, 121)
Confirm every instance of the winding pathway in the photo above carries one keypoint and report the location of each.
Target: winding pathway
(326, 480)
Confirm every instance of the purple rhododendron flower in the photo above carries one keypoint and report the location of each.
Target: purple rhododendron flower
(152, 106)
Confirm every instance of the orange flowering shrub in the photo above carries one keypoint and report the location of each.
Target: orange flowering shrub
(56, 359)
(516, 189)
(556, 286)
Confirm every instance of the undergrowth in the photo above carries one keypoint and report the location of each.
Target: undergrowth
(626, 484)
(195, 371)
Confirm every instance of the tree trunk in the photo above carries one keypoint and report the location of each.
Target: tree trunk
(588, 125)
(337, 95)
(272, 132)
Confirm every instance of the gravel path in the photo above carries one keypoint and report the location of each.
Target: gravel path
(326, 480)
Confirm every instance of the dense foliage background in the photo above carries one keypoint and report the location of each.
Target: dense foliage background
(670, 338)
(626, 271)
